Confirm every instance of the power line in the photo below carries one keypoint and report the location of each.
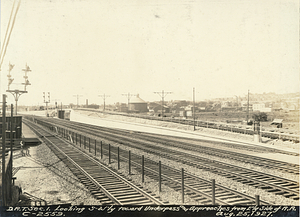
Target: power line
(11, 13)
(10, 33)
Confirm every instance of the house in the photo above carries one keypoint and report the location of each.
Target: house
(277, 123)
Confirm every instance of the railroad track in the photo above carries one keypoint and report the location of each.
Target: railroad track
(212, 125)
(104, 184)
(197, 188)
(246, 158)
(270, 183)
(198, 148)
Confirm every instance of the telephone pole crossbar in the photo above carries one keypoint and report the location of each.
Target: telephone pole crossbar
(128, 95)
(162, 94)
(104, 97)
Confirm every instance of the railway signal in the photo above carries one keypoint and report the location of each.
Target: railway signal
(46, 101)
(17, 93)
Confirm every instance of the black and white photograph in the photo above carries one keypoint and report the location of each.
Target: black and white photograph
(149, 108)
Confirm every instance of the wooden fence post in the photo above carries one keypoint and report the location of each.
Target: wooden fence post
(213, 192)
(257, 200)
(159, 175)
(182, 185)
(118, 158)
(143, 171)
(101, 150)
(129, 163)
(109, 153)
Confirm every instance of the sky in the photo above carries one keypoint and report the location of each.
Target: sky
(222, 48)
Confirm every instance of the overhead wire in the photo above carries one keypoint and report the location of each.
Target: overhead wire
(13, 23)
(4, 42)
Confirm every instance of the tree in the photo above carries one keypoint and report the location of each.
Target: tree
(260, 116)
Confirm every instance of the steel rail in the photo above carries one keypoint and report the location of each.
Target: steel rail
(113, 198)
(260, 161)
(213, 125)
(187, 176)
(223, 172)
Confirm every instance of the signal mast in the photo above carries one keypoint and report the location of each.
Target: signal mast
(17, 93)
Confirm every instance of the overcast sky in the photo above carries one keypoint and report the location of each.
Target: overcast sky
(91, 47)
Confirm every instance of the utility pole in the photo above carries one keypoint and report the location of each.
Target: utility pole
(17, 93)
(248, 108)
(194, 108)
(104, 97)
(46, 101)
(162, 95)
(4, 187)
(237, 102)
(77, 98)
(128, 98)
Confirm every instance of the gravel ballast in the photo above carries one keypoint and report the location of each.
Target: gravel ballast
(44, 176)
